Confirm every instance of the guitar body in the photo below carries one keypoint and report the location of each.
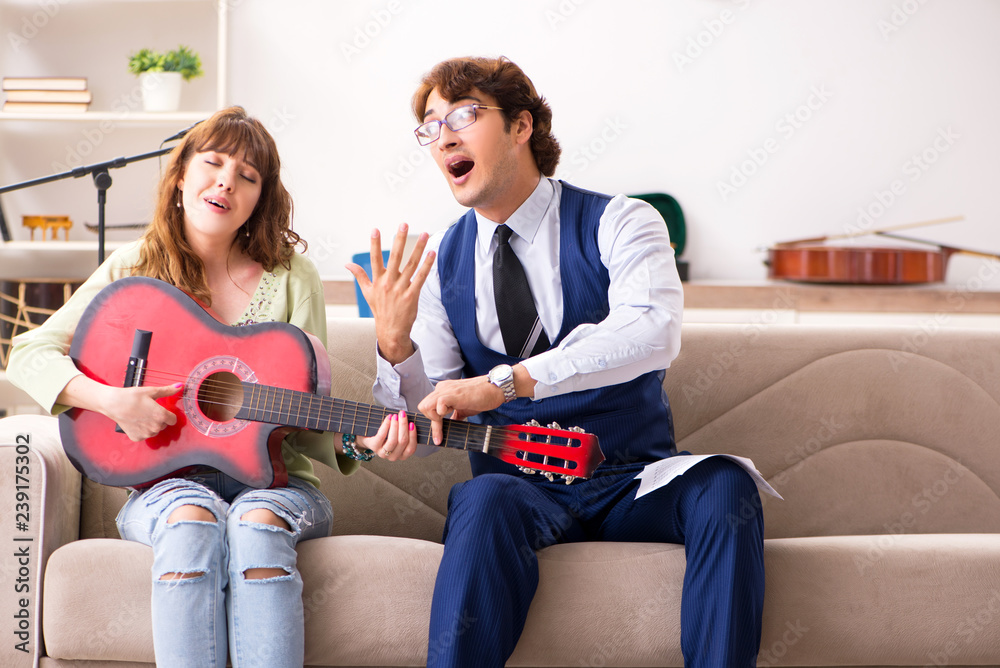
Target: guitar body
(244, 389)
(214, 361)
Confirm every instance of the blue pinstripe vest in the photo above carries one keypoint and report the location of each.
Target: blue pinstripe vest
(632, 420)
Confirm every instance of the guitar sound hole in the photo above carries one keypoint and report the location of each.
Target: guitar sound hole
(220, 396)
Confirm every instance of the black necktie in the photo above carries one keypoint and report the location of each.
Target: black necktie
(520, 327)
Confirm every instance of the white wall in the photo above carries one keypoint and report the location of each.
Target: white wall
(837, 100)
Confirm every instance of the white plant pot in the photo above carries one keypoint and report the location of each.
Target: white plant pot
(161, 91)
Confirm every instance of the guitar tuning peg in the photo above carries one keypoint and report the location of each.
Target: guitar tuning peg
(548, 474)
(568, 478)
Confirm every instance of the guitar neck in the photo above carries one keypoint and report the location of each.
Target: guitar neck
(275, 405)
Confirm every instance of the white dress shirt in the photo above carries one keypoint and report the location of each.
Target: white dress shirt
(642, 332)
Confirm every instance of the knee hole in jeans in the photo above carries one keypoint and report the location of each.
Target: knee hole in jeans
(188, 513)
(264, 516)
(191, 513)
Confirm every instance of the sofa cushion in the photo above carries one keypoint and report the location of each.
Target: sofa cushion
(893, 600)
(96, 601)
(845, 600)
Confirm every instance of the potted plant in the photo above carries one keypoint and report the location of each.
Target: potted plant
(160, 75)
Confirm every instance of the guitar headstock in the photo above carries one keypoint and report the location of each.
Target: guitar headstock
(551, 450)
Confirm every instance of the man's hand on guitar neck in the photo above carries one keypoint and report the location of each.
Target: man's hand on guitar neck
(459, 399)
(134, 409)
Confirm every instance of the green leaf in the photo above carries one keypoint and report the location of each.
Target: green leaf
(182, 59)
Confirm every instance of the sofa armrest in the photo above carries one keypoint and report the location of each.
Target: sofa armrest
(39, 512)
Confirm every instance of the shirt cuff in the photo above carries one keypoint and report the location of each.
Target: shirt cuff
(546, 381)
(395, 382)
(65, 370)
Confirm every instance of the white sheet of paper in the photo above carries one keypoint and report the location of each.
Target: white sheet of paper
(658, 474)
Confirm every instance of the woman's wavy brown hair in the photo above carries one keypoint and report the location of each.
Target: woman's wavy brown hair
(506, 82)
(266, 237)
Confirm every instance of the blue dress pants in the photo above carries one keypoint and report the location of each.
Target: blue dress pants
(489, 571)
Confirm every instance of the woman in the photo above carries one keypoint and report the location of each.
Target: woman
(224, 574)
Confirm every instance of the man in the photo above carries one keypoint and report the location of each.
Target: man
(600, 274)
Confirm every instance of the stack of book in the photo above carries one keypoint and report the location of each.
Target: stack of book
(42, 95)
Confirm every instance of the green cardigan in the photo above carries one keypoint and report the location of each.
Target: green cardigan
(40, 365)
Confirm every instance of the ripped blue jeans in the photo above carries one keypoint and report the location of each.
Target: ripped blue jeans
(215, 609)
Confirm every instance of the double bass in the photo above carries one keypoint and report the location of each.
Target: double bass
(811, 261)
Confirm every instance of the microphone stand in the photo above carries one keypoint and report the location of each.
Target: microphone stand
(4, 232)
(102, 181)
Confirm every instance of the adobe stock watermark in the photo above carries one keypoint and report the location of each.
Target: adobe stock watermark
(779, 648)
(707, 376)
(562, 12)
(122, 107)
(786, 127)
(447, 638)
(920, 504)
(316, 599)
(32, 24)
(989, 268)
(582, 157)
(930, 326)
(652, 606)
(93, 137)
(406, 166)
(431, 485)
(750, 509)
(913, 169)
(323, 249)
(279, 120)
(365, 34)
(983, 619)
(698, 43)
(828, 429)
(925, 331)
(899, 17)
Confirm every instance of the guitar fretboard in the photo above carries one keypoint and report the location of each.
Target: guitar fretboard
(275, 405)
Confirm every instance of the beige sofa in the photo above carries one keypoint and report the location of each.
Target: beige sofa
(885, 552)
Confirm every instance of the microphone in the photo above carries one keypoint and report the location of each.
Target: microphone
(182, 133)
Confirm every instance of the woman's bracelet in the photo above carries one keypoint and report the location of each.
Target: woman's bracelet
(349, 440)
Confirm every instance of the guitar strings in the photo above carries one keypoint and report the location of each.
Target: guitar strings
(221, 393)
(217, 393)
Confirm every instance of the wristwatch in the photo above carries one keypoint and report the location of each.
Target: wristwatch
(502, 375)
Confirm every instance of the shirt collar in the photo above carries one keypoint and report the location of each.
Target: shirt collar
(526, 220)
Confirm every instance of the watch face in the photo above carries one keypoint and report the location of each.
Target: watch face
(501, 373)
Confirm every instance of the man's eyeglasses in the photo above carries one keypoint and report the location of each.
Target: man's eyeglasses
(457, 119)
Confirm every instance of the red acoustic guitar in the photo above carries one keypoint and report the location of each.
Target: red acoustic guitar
(244, 389)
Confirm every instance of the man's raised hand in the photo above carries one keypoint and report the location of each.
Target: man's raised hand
(393, 291)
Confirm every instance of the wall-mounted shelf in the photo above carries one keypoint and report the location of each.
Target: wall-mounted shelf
(27, 260)
(136, 117)
(221, 68)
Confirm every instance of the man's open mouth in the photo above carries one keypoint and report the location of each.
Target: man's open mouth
(460, 168)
